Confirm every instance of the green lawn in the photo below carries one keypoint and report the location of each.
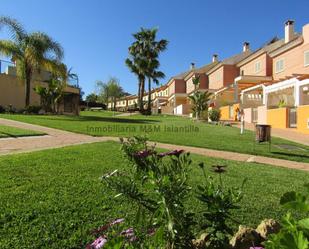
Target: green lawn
(54, 198)
(163, 129)
(8, 131)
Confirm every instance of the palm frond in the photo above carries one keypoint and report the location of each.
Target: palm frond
(16, 29)
(52, 49)
(10, 49)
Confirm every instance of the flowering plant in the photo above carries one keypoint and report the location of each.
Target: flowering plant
(158, 184)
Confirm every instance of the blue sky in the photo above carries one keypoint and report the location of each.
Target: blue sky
(95, 34)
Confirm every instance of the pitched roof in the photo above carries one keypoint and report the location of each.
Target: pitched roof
(269, 47)
(298, 39)
(236, 58)
(233, 60)
(181, 76)
(206, 67)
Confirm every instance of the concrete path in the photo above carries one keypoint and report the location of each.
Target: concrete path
(58, 138)
(126, 114)
(54, 139)
(289, 134)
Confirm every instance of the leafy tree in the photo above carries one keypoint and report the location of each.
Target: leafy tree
(51, 94)
(143, 61)
(92, 97)
(110, 91)
(32, 52)
(199, 100)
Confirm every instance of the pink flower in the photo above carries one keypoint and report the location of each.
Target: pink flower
(128, 232)
(98, 243)
(172, 153)
(143, 153)
(117, 221)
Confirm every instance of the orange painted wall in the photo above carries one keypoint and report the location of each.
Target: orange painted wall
(235, 107)
(177, 86)
(203, 82)
(225, 112)
(223, 76)
(303, 119)
(229, 74)
(266, 66)
(278, 118)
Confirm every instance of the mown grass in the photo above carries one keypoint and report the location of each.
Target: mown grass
(54, 198)
(8, 131)
(169, 129)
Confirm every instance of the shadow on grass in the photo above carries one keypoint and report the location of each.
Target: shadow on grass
(103, 119)
(7, 135)
(290, 154)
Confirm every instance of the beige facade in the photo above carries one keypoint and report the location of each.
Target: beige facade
(12, 93)
(293, 58)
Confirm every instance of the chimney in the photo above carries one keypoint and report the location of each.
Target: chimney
(215, 58)
(246, 47)
(288, 31)
(192, 66)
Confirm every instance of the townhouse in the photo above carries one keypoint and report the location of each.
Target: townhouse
(12, 90)
(283, 101)
(221, 82)
(269, 84)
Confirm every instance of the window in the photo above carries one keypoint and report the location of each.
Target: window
(279, 66)
(306, 58)
(257, 67)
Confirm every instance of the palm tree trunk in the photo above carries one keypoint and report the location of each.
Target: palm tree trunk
(149, 97)
(139, 93)
(28, 86)
(141, 107)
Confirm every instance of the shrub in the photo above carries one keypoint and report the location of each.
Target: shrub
(158, 184)
(10, 109)
(2, 109)
(32, 109)
(214, 115)
(218, 202)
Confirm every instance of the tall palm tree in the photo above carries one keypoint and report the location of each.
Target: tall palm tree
(143, 61)
(32, 52)
(153, 76)
(138, 66)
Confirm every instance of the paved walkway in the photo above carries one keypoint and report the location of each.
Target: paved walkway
(58, 138)
(54, 139)
(289, 134)
(126, 114)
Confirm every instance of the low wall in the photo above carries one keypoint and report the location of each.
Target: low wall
(278, 118)
(262, 115)
(183, 109)
(248, 115)
(167, 110)
(303, 119)
(225, 112)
